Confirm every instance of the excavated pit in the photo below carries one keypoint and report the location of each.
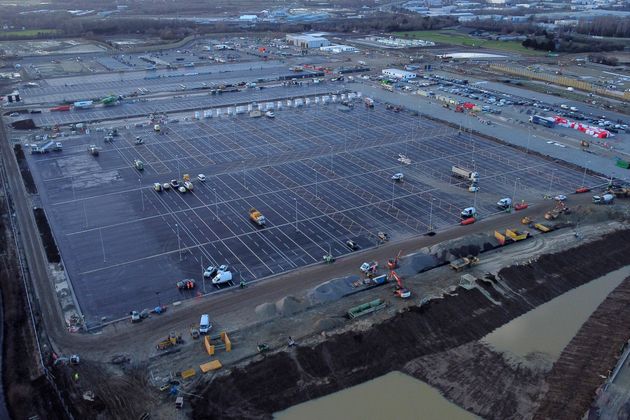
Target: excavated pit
(284, 379)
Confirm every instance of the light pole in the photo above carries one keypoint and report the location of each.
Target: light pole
(179, 247)
(244, 185)
(85, 215)
(584, 175)
(551, 182)
(100, 233)
(158, 298)
(529, 137)
(216, 204)
(316, 179)
(393, 185)
(296, 216)
(141, 195)
(331, 158)
(431, 215)
(514, 193)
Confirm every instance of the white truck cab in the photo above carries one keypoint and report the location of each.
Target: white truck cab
(469, 212)
(504, 203)
(204, 324)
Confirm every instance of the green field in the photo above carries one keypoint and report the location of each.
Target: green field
(30, 33)
(455, 38)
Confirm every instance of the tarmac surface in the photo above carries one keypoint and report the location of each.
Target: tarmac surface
(319, 175)
(197, 100)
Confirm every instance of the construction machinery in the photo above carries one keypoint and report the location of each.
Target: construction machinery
(465, 262)
(465, 173)
(542, 228)
(392, 263)
(369, 269)
(558, 209)
(170, 341)
(603, 199)
(257, 217)
(516, 235)
(468, 213)
(194, 332)
(400, 290)
(93, 150)
(185, 284)
(618, 191)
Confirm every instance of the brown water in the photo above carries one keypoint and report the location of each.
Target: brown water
(550, 327)
(392, 396)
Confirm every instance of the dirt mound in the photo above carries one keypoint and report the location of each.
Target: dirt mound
(468, 245)
(289, 305)
(328, 324)
(331, 290)
(266, 310)
(416, 263)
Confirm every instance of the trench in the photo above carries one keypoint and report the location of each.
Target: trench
(283, 379)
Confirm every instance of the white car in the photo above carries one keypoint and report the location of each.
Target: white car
(166, 186)
(201, 177)
(398, 176)
(14, 114)
(223, 267)
(560, 197)
(210, 271)
(182, 190)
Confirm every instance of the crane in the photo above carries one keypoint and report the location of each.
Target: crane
(400, 289)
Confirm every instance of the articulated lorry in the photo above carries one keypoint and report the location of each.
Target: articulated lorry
(544, 121)
(465, 174)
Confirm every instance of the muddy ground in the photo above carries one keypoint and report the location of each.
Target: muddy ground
(27, 392)
(285, 378)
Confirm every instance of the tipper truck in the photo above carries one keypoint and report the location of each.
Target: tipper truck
(257, 217)
(544, 121)
(465, 173)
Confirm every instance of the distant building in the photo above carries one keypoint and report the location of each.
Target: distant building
(399, 74)
(307, 41)
(339, 48)
(248, 18)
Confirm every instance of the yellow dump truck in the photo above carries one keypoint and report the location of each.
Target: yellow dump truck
(516, 235)
(461, 263)
(542, 228)
(257, 217)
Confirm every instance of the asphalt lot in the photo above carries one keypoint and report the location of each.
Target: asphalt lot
(98, 86)
(130, 108)
(124, 245)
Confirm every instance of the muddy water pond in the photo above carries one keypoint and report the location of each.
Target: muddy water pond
(392, 396)
(548, 328)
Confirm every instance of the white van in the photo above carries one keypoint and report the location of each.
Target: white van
(204, 324)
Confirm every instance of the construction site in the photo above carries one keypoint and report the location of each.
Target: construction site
(274, 232)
